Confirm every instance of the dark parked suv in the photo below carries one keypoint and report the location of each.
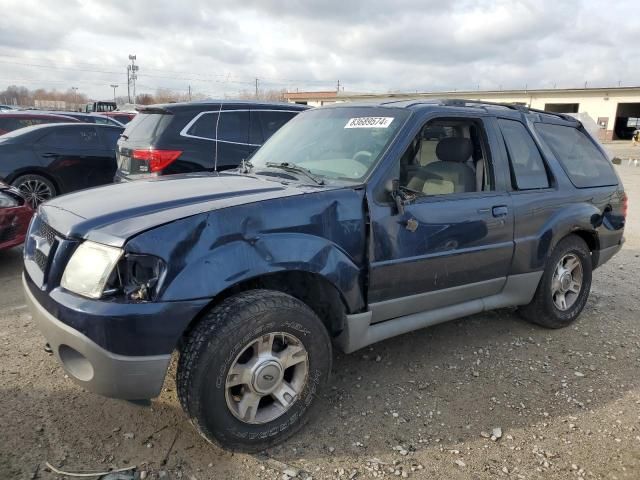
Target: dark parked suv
(352, 224)
(197, 136)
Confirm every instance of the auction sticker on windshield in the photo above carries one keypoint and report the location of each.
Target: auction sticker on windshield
(369, 122)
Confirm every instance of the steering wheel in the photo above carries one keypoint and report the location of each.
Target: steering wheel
(363, 157)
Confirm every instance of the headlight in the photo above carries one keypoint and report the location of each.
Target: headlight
(89, 269)
(7, 201)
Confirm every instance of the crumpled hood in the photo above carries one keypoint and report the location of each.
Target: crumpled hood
(114, 213)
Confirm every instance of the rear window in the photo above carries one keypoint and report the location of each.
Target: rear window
(582, 161)
(146, 127)
(528, 171)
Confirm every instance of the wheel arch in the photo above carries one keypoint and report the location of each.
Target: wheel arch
(316, 291)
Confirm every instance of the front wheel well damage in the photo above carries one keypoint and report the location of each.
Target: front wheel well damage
(312, 289)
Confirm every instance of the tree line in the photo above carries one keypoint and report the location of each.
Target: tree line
(23, 97)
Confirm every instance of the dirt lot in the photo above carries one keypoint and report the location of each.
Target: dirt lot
(567, 402)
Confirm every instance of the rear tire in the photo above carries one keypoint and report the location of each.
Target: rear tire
(35, 188)
(565, 285)
(250, 370)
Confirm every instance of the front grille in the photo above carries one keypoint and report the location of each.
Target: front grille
(48, 233)
(41, 260)
(41, 244)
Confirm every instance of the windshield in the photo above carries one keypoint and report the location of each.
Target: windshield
(339, 143)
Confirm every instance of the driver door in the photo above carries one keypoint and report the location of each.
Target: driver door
(443, 248)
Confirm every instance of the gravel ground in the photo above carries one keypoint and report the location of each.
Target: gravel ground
(483, 397)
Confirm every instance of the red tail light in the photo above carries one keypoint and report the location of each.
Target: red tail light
(625, 205)
(158, 159)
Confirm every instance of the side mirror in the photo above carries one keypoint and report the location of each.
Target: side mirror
(393, 188)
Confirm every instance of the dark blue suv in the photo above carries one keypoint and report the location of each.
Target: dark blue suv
(352, 224)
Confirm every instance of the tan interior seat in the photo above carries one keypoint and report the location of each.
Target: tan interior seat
(449, 174)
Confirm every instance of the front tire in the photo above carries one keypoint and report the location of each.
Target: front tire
(565, 285)
(251, 369)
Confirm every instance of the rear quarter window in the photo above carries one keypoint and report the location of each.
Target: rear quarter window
(585, 165)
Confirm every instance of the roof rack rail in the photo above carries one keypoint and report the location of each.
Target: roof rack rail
(454, 102)
(563, 116)
(461, 102)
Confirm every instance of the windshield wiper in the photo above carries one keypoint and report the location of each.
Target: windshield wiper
(292, 167)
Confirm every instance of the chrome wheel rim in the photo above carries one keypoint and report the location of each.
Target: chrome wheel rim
(266, 378)
(566, 284)
(35, 191)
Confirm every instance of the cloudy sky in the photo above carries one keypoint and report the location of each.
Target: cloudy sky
(219, 47)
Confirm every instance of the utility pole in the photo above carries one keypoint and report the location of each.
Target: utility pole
(128, 86)
(256, 87)
(189, 92)
(133, 74)
(338, 87)
(75, 97)
(114, 86)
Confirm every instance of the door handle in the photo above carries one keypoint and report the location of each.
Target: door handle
(500, 211)
(49, 155)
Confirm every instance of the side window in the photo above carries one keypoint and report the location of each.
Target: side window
(448, 156)
(204, 126)
(527, 167)
(234, 126)
(582, 161)
(272, 121)
(76, 138)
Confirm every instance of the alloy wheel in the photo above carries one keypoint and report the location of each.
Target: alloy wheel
(267, 377)
(35, 191)
(566, 283)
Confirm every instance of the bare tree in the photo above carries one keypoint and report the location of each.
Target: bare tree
(265, 95)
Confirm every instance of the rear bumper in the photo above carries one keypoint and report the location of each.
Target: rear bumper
(605, 254)
(95, 368)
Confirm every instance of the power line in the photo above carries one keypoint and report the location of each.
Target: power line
(228, 78)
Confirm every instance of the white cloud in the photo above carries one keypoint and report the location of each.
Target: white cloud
(219, 47)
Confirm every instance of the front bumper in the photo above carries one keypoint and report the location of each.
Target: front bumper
(95, 368)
